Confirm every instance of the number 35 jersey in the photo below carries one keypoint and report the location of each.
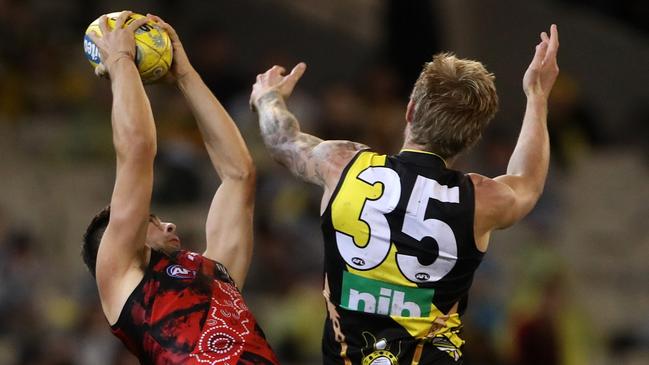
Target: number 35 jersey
(400, 255)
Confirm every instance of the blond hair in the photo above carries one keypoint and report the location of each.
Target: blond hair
(454, 100)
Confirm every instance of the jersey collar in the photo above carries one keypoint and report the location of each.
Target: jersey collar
(424, 153)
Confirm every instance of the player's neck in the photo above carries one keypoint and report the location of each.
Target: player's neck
(409, 145)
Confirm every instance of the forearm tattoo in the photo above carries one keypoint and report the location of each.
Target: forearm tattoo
(286, 144)
(306, 156)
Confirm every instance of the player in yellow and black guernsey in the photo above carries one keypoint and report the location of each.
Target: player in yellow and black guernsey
(405, 233)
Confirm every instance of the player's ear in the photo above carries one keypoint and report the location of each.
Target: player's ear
(410, 110)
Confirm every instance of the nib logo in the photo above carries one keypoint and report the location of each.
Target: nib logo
(373, 296)
(389, 302)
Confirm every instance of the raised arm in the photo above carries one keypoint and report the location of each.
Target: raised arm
(517, 192)
(121, 252)
(229, 221)
(306, 156)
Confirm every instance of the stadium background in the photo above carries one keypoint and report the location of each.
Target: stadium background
(566, 286)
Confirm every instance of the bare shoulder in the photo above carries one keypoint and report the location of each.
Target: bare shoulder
(492, 202)
(486, 185)
(331, 158)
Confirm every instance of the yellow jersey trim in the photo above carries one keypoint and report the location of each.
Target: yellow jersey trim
(426, 152)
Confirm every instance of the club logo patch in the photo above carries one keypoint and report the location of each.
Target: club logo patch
(179, 272)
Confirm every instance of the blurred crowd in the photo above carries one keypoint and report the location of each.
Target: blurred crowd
(56, 147)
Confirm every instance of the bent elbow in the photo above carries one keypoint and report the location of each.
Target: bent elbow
(247, 174)
(244, 172)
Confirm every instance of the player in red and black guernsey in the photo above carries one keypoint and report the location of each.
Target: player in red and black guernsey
(167, 305)
(405, 233)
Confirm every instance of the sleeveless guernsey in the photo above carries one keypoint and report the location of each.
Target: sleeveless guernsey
(187, 310)
(400, 255)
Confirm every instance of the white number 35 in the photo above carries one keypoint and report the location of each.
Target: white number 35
(415, 225)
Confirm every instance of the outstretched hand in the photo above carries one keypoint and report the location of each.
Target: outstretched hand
(180, 66)
(115, 43)
(543, 70)
(274, 80)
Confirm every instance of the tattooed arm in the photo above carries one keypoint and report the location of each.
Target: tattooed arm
(306, 156)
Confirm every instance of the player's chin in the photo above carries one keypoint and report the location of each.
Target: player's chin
(174, 243)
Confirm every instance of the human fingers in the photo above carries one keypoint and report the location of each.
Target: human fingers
(103, 24)
(544, 37)
(288, 83)
(268, 71)
(137, 23)
(272, 76)
(554, 34)
(121, 18)
(277, 70)
(553, 46)
(164, 25)
(553, 41)
(94, 36)
(539, 55)
(155, 18)
(297, 72)
(99, 42)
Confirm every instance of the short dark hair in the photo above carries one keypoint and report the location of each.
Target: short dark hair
(92, 238)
